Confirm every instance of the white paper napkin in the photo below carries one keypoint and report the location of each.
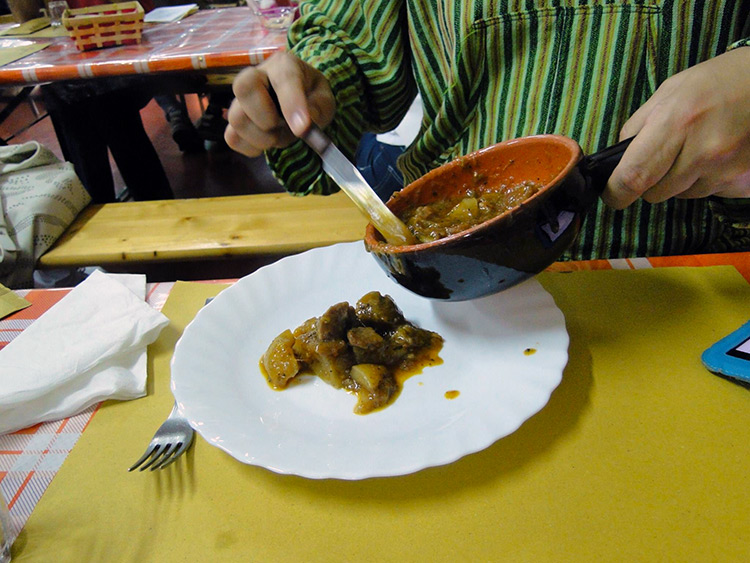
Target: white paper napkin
(88, 347)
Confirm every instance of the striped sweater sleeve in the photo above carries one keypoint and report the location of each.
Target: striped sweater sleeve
(360, 48)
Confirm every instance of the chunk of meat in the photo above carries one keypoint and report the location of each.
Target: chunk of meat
(378, 311)
(333, 324)
(366, 344)
(404, 342)
(360, 349)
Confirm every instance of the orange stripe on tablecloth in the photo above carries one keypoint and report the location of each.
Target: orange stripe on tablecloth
(30, 429)
(169, 65)
(63, 424)
(741, 261)
(52, 73)
(41, 301)
(122, 69)
(11, 452)
(151, 292)
(579, 266)
(239, 58)
(15, 76)
(13, 500)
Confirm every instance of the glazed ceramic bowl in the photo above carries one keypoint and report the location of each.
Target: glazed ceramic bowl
(508, 248)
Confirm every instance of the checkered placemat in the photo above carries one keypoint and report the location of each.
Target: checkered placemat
(30, 458)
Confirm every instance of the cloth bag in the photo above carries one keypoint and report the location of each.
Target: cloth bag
(40, 196)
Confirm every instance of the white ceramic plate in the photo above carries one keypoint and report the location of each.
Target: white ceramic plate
(310, 429)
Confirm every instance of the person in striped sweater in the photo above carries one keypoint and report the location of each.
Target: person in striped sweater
(674, 74)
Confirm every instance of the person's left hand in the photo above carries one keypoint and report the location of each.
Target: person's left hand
(692, 137)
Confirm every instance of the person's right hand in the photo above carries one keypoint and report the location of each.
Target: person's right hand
(303, 94)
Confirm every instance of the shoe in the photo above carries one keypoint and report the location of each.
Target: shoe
(184, 132)
(211, 126)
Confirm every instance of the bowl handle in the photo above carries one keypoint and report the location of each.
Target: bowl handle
(598, 167)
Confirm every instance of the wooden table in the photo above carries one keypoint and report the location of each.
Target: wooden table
(146, 232)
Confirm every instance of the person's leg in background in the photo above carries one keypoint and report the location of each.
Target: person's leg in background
(87, 124)
(184, 132)
(80, 142)
(377, 154)
(376, 162)
(130, 145)
(211, 124)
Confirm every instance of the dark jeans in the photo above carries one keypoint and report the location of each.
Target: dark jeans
(376, 162)
(89, 122)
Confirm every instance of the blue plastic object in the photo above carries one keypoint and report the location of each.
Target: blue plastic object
(730, 356)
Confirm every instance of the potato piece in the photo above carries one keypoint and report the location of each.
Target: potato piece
(279, 361)
(386, 390)
(332, 362)
(465, 210)
(369, 376)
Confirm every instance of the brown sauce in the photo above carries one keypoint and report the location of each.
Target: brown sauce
(369, 350)
(471, 206)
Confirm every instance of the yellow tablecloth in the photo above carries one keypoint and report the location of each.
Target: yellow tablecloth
(640, 455)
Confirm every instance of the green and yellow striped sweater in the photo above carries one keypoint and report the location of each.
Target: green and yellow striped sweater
(494, 70)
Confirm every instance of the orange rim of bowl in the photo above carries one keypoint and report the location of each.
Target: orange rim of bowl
(372, 235)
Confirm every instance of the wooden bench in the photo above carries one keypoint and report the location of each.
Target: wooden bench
(149, 232)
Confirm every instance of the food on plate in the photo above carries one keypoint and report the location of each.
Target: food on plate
(368, 349)
(470, 206)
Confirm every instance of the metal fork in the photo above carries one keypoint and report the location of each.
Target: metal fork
(172, 438)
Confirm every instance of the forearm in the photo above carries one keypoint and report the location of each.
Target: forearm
(370, 77)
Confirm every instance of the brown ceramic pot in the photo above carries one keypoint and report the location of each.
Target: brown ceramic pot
(510, 247)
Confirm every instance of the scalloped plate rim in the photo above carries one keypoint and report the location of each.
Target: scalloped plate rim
(221, 417)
